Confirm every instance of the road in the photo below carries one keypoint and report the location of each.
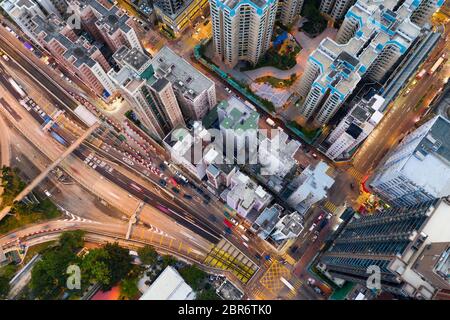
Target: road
(402, 115)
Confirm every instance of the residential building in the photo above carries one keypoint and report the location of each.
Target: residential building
(245, 195)
(75, 54)
(189, 148)
(22, 12)
(266, 221)
(288, 227)
(57, 7)
(196, 93)
(107, 23)
(218, 171)
(169, 285)
(152, 98)
(423, 10)
(289, 11)
(309, 187)
(418, 169)
(407, 246)
(238, 122)
(355, 127)
(276, 160)
(335, 9)
(242, 29)
(370, 42)
(177, 15)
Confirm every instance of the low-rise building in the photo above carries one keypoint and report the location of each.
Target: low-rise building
(309, 187)
(266, 221)
(288, 227)
(245, 195)
(169, 285)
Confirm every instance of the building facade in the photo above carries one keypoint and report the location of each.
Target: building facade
(370, 42)
(152, 98)
(289, 11)
(355, 127)
(395, 243)
(418, 169)
(242, 30)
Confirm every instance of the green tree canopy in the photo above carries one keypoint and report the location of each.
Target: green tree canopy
(129, 288)
(193, 276)
(148, 255)
(4, 287)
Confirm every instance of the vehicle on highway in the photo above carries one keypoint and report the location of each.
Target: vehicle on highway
(175, 190)
(242, 227)
(270, 122)
(228, 223)
(135, 187)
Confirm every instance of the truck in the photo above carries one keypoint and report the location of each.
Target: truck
(17, 87)
(436, 65)
(270, 122)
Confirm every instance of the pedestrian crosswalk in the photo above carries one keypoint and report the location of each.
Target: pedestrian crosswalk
(331, 207)
(158, 231)
(288, 259)
(355, 174)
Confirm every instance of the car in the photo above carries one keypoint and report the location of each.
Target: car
(258, 256)
(293, 249)
(234, 221)
(329, 215)
(212, 218)
(312, 227)
(320, 217)
(175, 190)
(162, 182)
(352, 186)
(318, 290)
(314, 156)
(162, 166)
(187, 196)
(242, 227)
(311, 281)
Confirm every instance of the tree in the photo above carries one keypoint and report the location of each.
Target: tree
(168, 260)
(107, 265)
(193, 276)
(72, 240)
(4, 287)
(95, 267)
(148, 255)
(49, 275)
(208, 294)
(129, 288)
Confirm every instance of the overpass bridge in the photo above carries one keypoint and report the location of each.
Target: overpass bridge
(44, 173)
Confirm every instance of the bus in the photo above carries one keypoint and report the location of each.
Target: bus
(270, 122)
(436, 65)
(17, 87)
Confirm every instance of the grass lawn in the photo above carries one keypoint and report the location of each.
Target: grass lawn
(278, 83)
(25, 215)
(38, 248)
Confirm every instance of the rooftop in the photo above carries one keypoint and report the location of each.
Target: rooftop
(184, 77)
(169, 286)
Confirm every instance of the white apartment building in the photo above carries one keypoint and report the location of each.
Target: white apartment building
(288, 227)
(335, 9)
(152, 98)
(242, 29)
(196, 93)
(58, 7)
(245, 195)
(424, 10)
(289, 11)
(370, 41)
(309, 187)
(22, 12)
(419, 168)
(354, 127)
